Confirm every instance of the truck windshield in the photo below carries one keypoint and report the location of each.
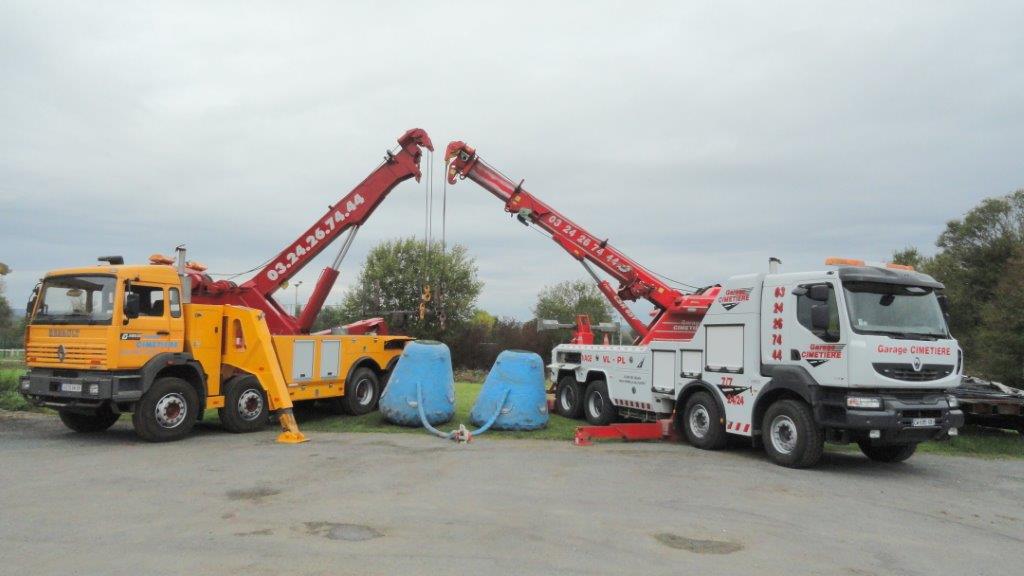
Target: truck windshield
(895, 310)
(84, 299)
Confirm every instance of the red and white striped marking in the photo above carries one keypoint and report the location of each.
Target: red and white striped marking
(738, 427)
(633, 404)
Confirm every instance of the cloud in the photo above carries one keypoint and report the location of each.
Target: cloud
(700, 139)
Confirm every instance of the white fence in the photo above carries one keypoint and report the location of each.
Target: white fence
(12, 354)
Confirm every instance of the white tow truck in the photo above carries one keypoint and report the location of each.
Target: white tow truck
(854, 353)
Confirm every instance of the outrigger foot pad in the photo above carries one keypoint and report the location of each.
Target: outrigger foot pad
(291, 433)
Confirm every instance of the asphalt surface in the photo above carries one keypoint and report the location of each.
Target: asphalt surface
(218, 503)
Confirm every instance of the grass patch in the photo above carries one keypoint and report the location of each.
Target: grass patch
(313, 419)
(9, 397)
(979, 442)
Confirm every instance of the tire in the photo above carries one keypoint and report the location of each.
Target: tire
(790, 436)
(597, 405)
(245, 405)
(703, 422)
(569, 398)
(167, 411)
(894, 453)
(362, 392)
(103, 419)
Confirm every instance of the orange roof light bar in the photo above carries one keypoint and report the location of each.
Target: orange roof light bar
(833, 261)
(161, 259)
(899, 267)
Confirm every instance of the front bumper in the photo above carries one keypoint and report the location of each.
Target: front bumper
(74, 391)
(894, 422)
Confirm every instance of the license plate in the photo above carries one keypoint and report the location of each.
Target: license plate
(923, 422)
(70, 387)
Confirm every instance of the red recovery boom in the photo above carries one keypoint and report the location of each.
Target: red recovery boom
(347, 215)
(677, 315)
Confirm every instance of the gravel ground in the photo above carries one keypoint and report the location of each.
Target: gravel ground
(218, 503)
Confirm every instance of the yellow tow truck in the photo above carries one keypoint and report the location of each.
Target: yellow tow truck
(112, 339)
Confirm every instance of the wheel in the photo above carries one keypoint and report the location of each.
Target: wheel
(167, 411)
(597, 405)
(790, 435)
(89, 423)
(569, 397)
(245, 405)
(893, 453)
(362, 391)
(703, 422)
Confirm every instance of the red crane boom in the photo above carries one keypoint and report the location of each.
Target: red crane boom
(677, 315)
(347, 215)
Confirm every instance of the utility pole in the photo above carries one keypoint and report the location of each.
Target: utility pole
(296, 308)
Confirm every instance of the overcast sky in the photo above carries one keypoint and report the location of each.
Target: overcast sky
(702, 138)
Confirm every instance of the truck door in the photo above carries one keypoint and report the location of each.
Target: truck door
(793, 339)
(155, 331)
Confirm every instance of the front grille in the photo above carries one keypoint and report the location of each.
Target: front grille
(76, 354)
(907, 373)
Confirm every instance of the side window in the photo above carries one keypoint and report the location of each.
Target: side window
(804, 304)
(151, 300)
(175, 302)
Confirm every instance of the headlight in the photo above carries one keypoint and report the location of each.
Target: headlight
(868, 402)
(94, 389)
(25, 383)
(954, 402)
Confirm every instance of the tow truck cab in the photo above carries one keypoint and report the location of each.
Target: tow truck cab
(94, 333)
(866, 347)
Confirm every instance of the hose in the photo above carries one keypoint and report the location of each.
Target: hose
(461, 434)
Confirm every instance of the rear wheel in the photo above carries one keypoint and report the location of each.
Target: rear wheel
(569, 397)
(167, 411)
(703, 422)
(245, 405)
(362, 391)
(597, 405)
(89, 423)
(893, 453)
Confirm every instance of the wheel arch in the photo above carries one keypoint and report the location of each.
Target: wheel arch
(176, 365)
(367, 362)
(684, 395)
(792, 382)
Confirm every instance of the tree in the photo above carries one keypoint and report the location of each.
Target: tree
(394, 280)
(999, 342)
(564, 301)
(8, 326)
(977, 260)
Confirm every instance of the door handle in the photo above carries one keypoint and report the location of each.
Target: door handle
(163, 333)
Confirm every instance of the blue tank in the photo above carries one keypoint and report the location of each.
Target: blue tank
(428, 365)
(520, 375)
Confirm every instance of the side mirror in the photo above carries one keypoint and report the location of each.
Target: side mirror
(818, 292)
(943, 303)
(32, 301)
(819, 317)
(132, 305)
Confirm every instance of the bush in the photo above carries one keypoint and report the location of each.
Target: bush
(9, 397)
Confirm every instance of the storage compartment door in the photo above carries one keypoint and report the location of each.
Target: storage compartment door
(724, 348)
(330, 359)
(302, 360)
(692, 365)
(663, 366)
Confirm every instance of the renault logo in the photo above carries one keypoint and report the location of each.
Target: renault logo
(916, 365)
(61, 353)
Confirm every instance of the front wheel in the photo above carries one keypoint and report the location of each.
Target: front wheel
(790, 435)
(893, 453)
(89, 423)
(597, 405)
(167, 411)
